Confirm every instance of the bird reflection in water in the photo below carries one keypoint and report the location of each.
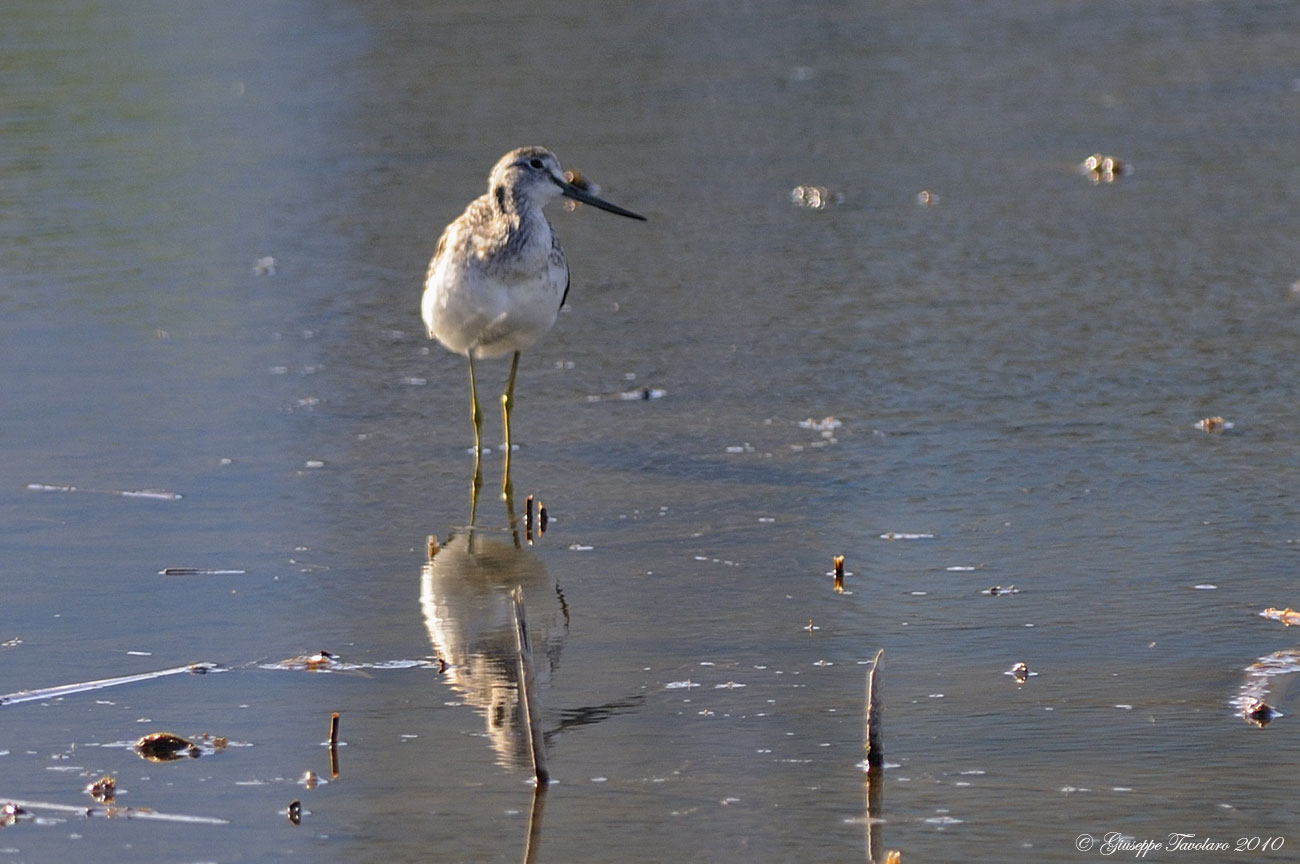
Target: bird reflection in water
(465, 595)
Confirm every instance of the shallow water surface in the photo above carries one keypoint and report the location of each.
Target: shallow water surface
(214, 222)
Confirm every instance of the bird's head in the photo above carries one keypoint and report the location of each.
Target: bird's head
(532, 175)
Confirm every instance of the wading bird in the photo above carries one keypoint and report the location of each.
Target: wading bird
(498, 277)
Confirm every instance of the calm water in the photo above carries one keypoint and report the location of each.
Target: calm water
(1015, 370)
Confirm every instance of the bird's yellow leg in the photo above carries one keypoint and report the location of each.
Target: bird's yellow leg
(476, 414)
(508, 404)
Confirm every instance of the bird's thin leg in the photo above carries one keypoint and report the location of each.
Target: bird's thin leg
(507, 404)
(476, 414)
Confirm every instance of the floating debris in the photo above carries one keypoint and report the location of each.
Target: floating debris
(899, 535)
(1260, 675)
(103, 790)
(1259, 712)
(324, 661)
(1287, 616)
(166, 747)
(156, 494)
(1103, 169)
(319, 660)
(826, 426)
(11, 812)
(815, 197)
(999, 590)
(264, 266)
(641, 394)
(1213, 424)
(1020, 672)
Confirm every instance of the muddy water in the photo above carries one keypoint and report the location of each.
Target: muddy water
(213, 224)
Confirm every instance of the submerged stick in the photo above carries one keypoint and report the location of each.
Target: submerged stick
(115, 812)
(527, 694)
(158, 494)
(874, 736)
(86, 686)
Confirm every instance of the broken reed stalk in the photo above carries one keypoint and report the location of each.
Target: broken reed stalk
(527, 691)
(334, 745)
(874, 737)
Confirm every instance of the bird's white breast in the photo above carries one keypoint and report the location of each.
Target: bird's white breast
(489, 296)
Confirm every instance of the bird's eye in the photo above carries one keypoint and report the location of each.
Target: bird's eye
(535, 163)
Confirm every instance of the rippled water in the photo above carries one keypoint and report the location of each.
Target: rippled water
(214, 221)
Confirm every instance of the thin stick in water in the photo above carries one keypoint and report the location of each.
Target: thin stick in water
(334, 745)
(874, 742)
